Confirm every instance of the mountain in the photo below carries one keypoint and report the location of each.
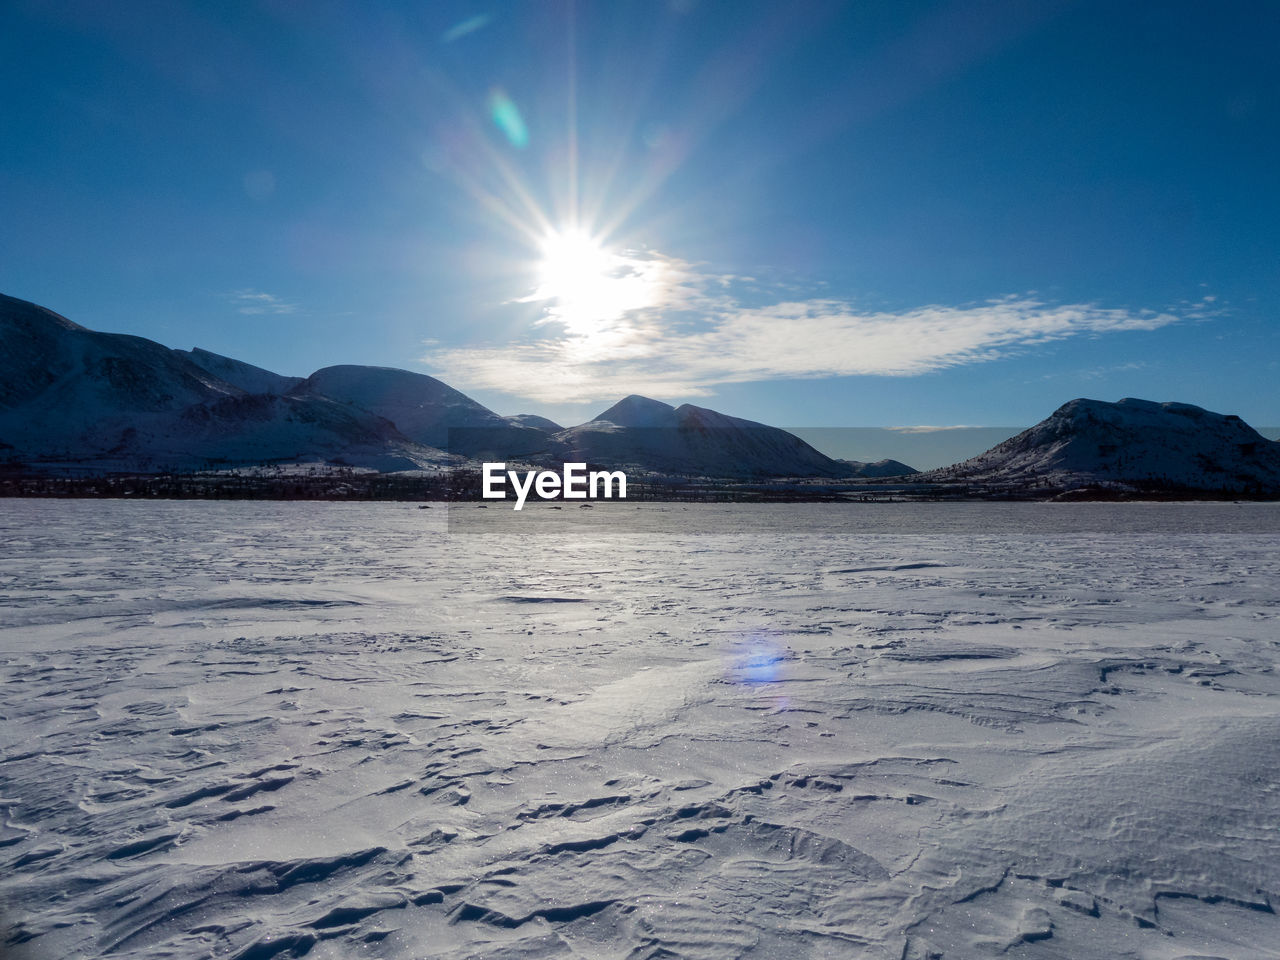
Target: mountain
(1132, 444)
(246, 376)
(649, 435)
(76, 399)
(71, 397)
(426, 410)
(74, 369)
(536, 422)
(640, 412)
(880, 468)
(263, 428)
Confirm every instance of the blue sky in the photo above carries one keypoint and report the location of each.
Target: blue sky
(832, 214)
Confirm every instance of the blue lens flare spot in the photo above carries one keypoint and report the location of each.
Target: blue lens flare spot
(758, 663)
(506, 115)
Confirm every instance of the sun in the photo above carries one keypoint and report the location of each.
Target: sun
(576, 274)
(585, 284)
(574, 265)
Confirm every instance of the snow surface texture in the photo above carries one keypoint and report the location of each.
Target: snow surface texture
(266, 730)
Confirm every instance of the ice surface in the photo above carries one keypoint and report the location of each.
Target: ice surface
(264, 730)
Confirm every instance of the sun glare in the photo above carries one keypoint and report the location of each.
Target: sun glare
(586, 284)
(574, 266)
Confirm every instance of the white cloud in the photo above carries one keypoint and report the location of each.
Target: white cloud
(1206, 308)
(926, 428)
(685, 340)
(255, 303)
(1098, 373)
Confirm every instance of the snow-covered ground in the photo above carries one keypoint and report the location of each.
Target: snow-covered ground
(264, 730)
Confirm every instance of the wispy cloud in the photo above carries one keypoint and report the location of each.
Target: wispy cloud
(255, 302)
(1098, 373)
(926, 428)
(692, 333)
(1206, 308)
(464, 27)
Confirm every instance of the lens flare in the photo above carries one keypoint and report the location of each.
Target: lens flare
(760, 667)
(507, 116)
(758, 661)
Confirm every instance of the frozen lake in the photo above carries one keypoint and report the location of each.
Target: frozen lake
(260, 730)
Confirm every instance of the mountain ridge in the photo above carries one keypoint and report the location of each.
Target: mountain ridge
(246, 376)
(1130, 443)
(640, 433)
(85, 400)
(74, 398)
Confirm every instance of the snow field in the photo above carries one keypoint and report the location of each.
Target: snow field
(266, 730)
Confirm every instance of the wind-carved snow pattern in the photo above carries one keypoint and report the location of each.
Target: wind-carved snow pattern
(274, 730)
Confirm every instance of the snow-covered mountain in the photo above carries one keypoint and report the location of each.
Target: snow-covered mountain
(880, 468)
(641, 413)
(426, 410)
(1133, 444)
(536, 422)
(651, 435)
(73, 397)
(75, 370)
(246, 376)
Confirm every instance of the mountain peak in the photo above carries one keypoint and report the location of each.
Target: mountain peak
(372, 387)
(638, 411)
(1132, 442)
(535, 422)
(1133, 405)
(246, 376)
(424, 409)
(693, 442)
(23, 314)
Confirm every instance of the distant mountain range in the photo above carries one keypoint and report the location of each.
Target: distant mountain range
(74, 400)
